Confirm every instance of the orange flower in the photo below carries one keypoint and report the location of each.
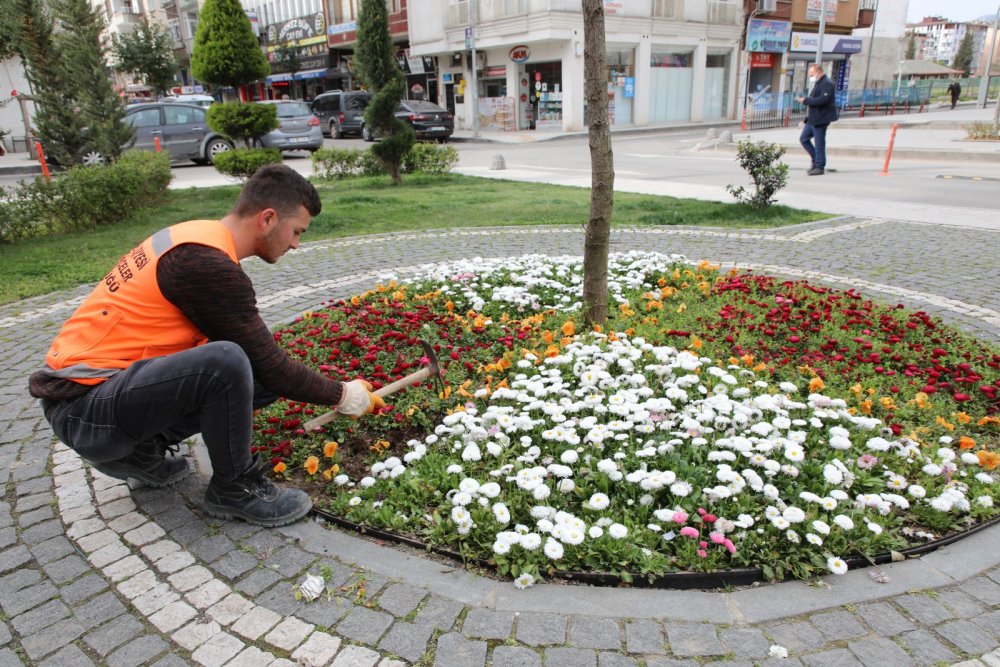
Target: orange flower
(280, 467)
(568, 328)
(552, 351)
(962, 417)
(696, 343)
(565, 341)
(989, 460)
(941, 421)
(816, 384)
(965, 442)
(866, 407)
(922, 400)
(887, 403)
(329, 473)
(312, 465)
(548, 336)
(681, 308)
(747, 359)
(355, 301)
(329, 449)
(989, 420)
(598, 328)
(449, 306)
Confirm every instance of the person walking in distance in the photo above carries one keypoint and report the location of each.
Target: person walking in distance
(170, 343)
(822, 104)
(954, 89)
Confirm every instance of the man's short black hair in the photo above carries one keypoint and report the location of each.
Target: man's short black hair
(279, 187)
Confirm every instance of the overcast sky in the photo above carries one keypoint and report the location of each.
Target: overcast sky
(956, 10)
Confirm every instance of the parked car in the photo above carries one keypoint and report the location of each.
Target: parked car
(428, 120)
(341, 112)
(298, 128)
(181, 128)
(197, 100)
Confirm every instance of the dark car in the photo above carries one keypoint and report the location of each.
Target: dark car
(428, 120)
(341, 112)
(181, 129)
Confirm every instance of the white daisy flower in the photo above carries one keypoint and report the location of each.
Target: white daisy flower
(836, 565)
(524, 580)
(599, 501)
(617, 531)
(553, 549)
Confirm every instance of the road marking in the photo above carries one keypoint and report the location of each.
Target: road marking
(949, 177)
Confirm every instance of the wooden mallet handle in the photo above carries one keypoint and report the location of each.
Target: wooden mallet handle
(412, 378)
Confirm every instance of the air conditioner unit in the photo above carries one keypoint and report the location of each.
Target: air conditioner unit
(766, 6)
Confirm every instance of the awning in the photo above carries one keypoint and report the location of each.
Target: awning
(324, 73)
(279, 77)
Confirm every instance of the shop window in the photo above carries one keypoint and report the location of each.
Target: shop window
(621, 85)
(671, 80)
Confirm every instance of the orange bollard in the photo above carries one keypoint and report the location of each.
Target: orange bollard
(41, 159)
(888, 153)
(156, 143)
(743, 123)
(862, 114)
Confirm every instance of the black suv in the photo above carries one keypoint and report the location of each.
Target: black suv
(341, 112)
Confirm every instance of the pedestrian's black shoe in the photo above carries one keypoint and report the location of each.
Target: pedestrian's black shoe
(254, 498)
(816, 171)
(148, 464)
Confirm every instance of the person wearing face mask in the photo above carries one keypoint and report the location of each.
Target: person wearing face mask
(822, 104)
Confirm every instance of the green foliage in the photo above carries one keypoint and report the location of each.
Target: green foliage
(83, 198)
(226, 52)
(242, 121)
(338, 163)
(9, 29)
(911, 47)
(430, 159)
(148, 52)
(330, 163)
(379, 71)
(762, 162)
(963, 57)
(243, 162)
(982, 131)
(82, 51)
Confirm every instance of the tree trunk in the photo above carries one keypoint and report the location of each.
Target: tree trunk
(602, 167)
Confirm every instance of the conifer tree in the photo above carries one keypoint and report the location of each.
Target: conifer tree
(963, 57)
(911, 46)
(83, 52)
(380, 73)
(9, 29)
(226, 52)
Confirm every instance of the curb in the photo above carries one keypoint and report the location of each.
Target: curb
(899, 153)
(542, 136)
(20, 170)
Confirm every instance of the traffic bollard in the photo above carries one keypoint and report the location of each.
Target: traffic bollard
(888, 153)
(156, 143)
(41, 160)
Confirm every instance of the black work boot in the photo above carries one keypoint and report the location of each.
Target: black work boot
(149, 464)
(254, 498)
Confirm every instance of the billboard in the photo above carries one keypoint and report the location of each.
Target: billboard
(768, 36)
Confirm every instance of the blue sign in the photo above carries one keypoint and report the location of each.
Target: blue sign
(342, 28)
(768, 36)
(447, 77)
(630, 86)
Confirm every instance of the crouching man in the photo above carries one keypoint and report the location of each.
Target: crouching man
(170, 344)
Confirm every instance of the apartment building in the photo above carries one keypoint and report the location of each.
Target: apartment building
(938, 39)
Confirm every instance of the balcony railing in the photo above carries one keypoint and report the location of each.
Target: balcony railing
(459, 12)
(724, 12)
(668, 9)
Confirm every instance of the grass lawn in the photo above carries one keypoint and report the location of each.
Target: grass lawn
(369, 206)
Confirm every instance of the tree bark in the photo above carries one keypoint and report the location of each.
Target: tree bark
(602, 167)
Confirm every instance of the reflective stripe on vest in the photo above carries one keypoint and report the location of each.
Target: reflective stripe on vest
(126, 317)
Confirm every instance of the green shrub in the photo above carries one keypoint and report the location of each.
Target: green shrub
(762, 162)
(242, 121)
(82, 198)
(371, 165)
(430, 159)
(982, 131)
(243, 162)
(330, 163)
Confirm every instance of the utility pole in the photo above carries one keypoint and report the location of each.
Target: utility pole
(984, 82)
(871, 47)
(822, 32)
(473, 19)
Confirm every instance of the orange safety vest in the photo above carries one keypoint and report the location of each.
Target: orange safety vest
(126, 318)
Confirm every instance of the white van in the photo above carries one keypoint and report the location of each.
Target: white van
(197, 100)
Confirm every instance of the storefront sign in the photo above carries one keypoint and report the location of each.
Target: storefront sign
(303, 30)
(614, 7)
(341, 28)
(808, 41)
(761, 60)
(629, 86)
(447, 77)
(497, 71)
(520, 54)
(768, 36)
(814, 7)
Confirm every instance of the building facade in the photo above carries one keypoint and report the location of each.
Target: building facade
(938, 39)
(884, 45)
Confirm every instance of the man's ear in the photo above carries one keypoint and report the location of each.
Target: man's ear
(266, 219)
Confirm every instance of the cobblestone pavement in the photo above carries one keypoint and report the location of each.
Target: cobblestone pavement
(93, 573)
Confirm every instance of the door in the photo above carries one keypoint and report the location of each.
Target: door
(147, 124)
(183, 129)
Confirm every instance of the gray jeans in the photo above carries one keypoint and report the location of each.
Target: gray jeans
(208, 389)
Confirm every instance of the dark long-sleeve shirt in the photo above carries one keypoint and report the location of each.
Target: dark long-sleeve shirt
(218, 297)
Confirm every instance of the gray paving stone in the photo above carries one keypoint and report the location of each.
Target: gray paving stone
(39, 644)
(264, 543)
(777, 662)
(155, 501)
(729, 663)
(38, 484)
(454, 650)
(644, 637)
(82, 588)
(884, 619)
(138, 651)
(488, 624)
(289, 561)
(400, 599)
(9, 659)
(924, 608)
(570, 657)
(407, 640)
(41, 532)
(171, 660)
(66, 569)
(13, 558)
(364, 626)
(113, 634)
(35, 516)
(52, 549)
(797, 637)
(671, 662)
(983, 590)
(28, 598)
(324, 613)
(440, 613)
(179, 516)
(967, 636)
(68, 656)
(926, 649)
(540, 629)
(98, 610)
(990, 622)
(234, 564)
(880, 652)
(17, 581)
(693, 639)
(838, 625)
(280, 598)
(239, 530)
(745, 643)
(838, 657)
(257, 581)
(188, 532)
(608, 659)
(515, 656)
(211, 547)
(39, 618)
(596, 633)
(961, 603)
(5, 635)
(8, 536)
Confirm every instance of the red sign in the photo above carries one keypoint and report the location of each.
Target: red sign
(519, 54)
(499, 70)
(761, 60)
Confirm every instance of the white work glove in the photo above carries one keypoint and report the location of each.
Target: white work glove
(358, 399)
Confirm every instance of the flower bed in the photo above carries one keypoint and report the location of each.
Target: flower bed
(723, 421)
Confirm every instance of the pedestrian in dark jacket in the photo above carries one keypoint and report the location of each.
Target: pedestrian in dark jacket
(822, 103)
(954, 90)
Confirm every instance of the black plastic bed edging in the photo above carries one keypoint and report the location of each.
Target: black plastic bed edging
(675, 580)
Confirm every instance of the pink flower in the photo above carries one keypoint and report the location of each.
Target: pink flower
(867, 461)
(730, 547)
(702, 553)
(703, 544)
(688, 531)
(681, 517)
(717, 538)
(709, 518)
